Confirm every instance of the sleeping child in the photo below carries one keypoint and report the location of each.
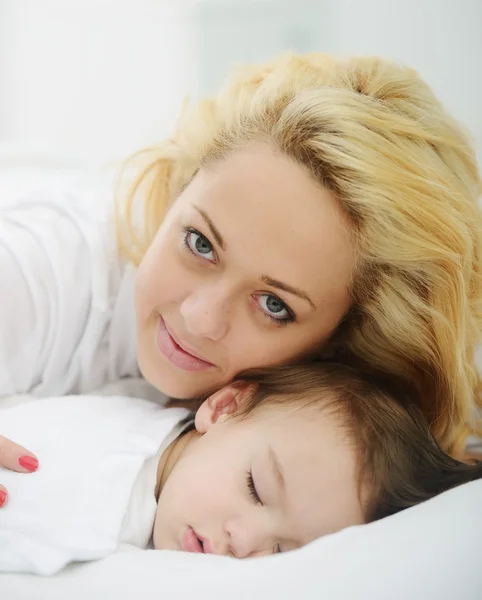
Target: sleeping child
(266, 465)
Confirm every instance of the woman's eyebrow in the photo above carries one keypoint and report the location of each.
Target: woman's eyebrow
(214, 230)
(287, 288)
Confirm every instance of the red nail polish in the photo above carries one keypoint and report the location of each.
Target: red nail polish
(3, 498)
(28, 462)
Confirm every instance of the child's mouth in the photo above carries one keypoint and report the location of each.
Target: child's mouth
(190, 542)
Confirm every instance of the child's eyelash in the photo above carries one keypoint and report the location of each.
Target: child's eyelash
(252, 488)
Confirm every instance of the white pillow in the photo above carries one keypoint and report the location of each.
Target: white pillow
(429, 552)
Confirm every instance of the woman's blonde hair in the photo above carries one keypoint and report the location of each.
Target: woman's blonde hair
(404, 172)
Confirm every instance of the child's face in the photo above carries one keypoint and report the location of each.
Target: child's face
(271, 482)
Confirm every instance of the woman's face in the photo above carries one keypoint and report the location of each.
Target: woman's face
(250, 268)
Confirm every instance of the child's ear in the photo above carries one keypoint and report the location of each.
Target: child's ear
(219, 406)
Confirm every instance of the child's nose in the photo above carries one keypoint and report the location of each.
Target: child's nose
(249, 539)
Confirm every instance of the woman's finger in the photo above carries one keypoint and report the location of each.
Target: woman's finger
(15, 457)
(3, 496)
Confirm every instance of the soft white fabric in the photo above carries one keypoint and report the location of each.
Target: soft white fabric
(95, 486)
(429, 552)
(66, 303)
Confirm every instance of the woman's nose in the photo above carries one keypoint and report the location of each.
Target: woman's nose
(207, 312)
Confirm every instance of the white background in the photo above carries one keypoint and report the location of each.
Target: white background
(89, 81)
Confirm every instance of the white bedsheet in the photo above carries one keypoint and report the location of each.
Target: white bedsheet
(430, 552)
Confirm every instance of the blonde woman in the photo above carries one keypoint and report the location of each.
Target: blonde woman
(317, 207)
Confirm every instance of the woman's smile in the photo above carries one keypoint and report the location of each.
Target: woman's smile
(177, 352)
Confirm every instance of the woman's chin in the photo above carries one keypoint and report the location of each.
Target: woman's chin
(186, 386)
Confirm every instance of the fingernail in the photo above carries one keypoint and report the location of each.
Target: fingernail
(28, 462)
(3, 498)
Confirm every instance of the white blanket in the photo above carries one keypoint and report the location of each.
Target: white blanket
(430, 552)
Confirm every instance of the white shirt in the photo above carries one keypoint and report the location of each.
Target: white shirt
(66, 296)
(95, 486)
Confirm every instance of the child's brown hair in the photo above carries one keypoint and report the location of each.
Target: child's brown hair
(399, 462)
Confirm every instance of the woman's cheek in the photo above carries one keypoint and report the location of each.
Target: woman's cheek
(274, 348)
(170, 278)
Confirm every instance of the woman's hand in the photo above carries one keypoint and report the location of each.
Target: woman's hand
(15, 458)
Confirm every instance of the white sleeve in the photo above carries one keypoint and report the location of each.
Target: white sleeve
(59, 276)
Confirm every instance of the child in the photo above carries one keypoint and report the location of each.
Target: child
(268, 464)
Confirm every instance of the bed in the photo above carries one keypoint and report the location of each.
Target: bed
(429, 552)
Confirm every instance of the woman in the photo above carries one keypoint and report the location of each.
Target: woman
(316, 207)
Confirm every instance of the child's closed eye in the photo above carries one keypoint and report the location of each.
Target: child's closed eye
(252, 488)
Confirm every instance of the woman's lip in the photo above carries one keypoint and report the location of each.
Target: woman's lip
(184, 346)
(190, 542)
(177, 354)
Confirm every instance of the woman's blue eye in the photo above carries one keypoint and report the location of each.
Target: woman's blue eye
(275, 308)
(199, 244)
